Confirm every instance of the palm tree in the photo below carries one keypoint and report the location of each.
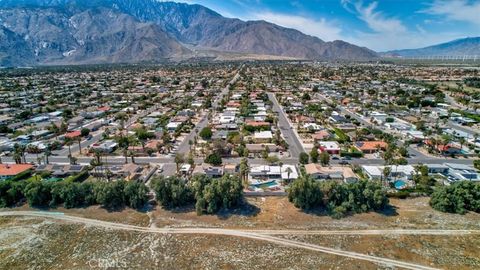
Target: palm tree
(462, 142)
(79, 140)
(69, 142)
(47, 153)
(132, 155)
(178, 160)
(94, 165)
(55, 129)
(244, 171)
(19, 153)
(34, 150)
(386, 172)
(124, 143)
(288, 170)
(17, 157)
(73, 160)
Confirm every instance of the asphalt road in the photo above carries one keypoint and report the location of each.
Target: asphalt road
(253, 235)
(96, 137)
(465, 129)
(295, 147)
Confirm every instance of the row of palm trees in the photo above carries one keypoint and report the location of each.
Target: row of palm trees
(100, 167)
(20, 150)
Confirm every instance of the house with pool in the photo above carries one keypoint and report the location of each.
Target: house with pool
(271, 178)
(400, 175)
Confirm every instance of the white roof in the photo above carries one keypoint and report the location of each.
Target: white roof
(372, 170)
(263, 134)
(293, 173)
(275, 170)
(173, 124)
(378, 170)
(330, 145)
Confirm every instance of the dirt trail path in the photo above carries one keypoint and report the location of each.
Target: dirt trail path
(261, 235)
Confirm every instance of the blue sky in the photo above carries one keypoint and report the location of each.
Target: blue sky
(379, 25)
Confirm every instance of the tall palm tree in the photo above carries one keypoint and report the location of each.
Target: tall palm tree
(288, 171)
(47, 153)
(124, 143)
(17, 157)
(244, 171)
(179, 159)
(19, 153)
(386, 173)
(69, 142)
(34, 150)
(132, 155)
(94, 165)
(79, 140)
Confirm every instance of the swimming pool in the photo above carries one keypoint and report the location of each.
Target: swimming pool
(399, 184)
(267, 184)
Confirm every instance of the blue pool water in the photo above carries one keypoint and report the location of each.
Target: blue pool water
(267, 185)
(399, 184)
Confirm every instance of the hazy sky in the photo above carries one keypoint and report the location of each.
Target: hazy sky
(379, 25)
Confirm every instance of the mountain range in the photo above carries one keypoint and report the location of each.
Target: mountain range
(466, 46)
(51, 32)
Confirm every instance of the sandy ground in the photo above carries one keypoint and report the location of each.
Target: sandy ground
(278, 213)
(37, 243)
(27, 243)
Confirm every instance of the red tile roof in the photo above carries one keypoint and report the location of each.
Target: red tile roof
(257, 123)
(13, 169)
(73, 134)
(371, 145)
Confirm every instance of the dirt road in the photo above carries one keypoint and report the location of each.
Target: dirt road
(261, 235)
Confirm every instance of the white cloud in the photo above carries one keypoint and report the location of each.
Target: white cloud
(321, 28)
(375, 20)
(456, 10)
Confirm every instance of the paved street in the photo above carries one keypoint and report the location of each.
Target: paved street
(295, 147)
(96, 137)
(465, 129)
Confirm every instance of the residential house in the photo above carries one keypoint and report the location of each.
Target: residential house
(263, 136)
(330, 147)
(8, 171)
(369, 147)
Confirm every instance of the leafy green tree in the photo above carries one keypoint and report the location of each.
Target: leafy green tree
(73, 195)
(136, 194)
(179, 159)
(143, 136)
(38, 194)
(324, 158)
(459, 198)
(172, 191)
(403, 151)
(476, 164)
(223, 193)
(85, 132)
(110, 194)
(206, 133)
(11, 192)
(305, 193)
(214, 159)
(303, 158)
(338, 199)
(314, 155)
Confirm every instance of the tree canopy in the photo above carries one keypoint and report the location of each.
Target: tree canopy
(338, 199)
(459, 198)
